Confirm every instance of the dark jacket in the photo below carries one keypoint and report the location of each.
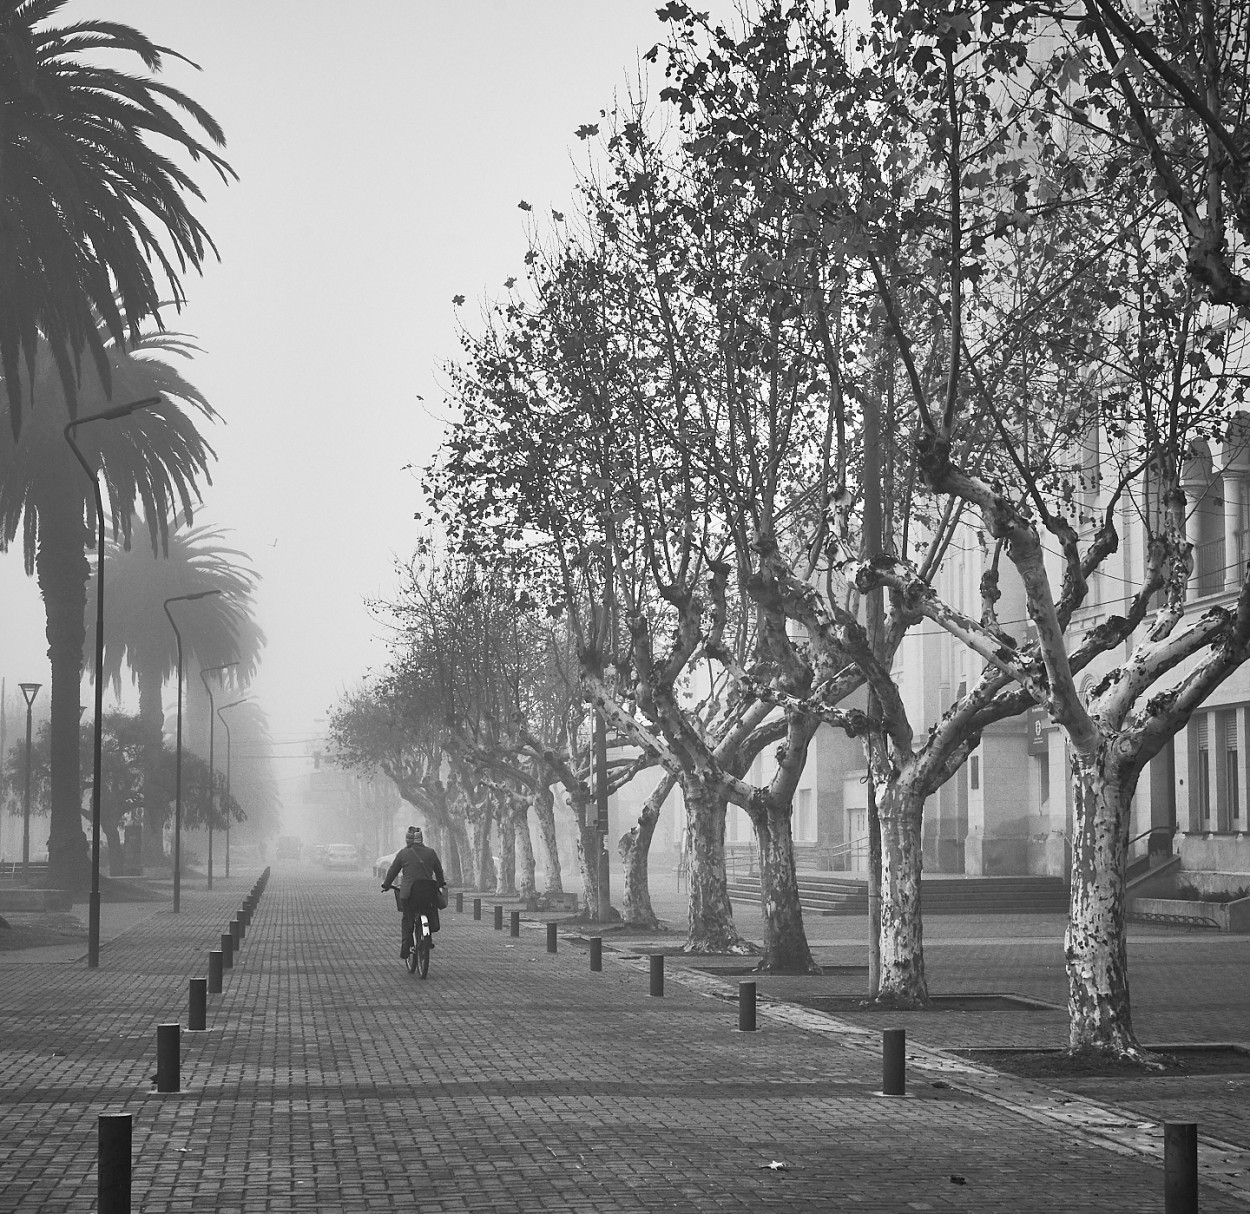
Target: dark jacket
(417, 863)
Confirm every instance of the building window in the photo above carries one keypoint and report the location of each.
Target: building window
(1203, 774)
(804, 817)
(974, 772)
(1230, 802)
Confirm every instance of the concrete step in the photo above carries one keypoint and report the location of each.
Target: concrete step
(833, 895)
(17, 899)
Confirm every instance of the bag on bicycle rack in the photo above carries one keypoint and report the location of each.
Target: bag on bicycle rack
(442, 897)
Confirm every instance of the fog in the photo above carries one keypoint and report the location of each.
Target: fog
(382, 151)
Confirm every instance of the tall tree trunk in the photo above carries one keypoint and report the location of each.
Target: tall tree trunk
(483, 861)
(525, 886)
(461, 848)
(148, 845)
(635, 849)
(506, 869)
(1095, 947)
(117, 859)
(545, 816)
(786, 950)
(711, 926)
(901, 808)
(874, 893)
(587, 853)
(63, 573)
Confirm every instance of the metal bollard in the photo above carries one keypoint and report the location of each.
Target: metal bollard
(894, 1062)
(245, 915)
(197, 1005)
(477, 908)
(214, 971)
(168, 1062)
(657, 974)
(499, 918)
(227, 951)
(113, 1158)
(551, 937)
(236, 935)
(596, 953)
(746, 1007)
(1180, 1167)
(459, 901)
(514, 925)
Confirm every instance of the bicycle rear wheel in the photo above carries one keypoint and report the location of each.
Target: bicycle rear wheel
(421, 953)
(411, 960)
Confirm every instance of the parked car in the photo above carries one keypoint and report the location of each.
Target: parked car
(290, 847)
(342, 856)
(382, 863)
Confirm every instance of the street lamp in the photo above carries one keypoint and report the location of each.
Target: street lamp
(180, 598)
(211, 789)
(105, 415)
(29, 691)
(226, 727)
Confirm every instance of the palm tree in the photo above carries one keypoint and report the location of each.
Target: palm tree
(139, 578)
(153, 458)
(88, 204)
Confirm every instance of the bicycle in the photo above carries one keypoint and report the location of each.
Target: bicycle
(418, 959)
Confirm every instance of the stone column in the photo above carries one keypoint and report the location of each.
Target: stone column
(1196, 478)
(1236, 474)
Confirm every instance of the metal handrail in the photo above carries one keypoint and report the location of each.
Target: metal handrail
(844, 848)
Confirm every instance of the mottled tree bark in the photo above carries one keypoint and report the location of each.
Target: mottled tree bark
(525, 884)
(505, 880)
(786, 950)
(1095, 947)
(711, 925)
(635, 849)
(483, 861)
(587, 856)
(901, 806)
(545, 816)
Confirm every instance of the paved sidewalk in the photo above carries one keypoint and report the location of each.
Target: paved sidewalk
(511, 1080)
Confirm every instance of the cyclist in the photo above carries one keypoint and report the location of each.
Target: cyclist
(421, 879)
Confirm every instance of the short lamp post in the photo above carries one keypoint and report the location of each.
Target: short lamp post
(105, 415)
(212, 790)
(226, 726)
(29, 691)
(180, 598)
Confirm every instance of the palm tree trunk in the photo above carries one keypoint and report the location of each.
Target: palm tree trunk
(63, 572)
(148, 844)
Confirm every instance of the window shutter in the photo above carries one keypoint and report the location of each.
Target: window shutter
(1203, 743)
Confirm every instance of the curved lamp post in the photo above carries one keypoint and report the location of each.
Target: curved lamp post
(29, 691)
(180, 598)
(226, 727)
(105, 415)
(212, 790)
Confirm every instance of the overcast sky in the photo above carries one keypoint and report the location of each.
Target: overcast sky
(382, 148)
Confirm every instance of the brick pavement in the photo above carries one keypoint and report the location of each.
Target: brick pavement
(331, 1079)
